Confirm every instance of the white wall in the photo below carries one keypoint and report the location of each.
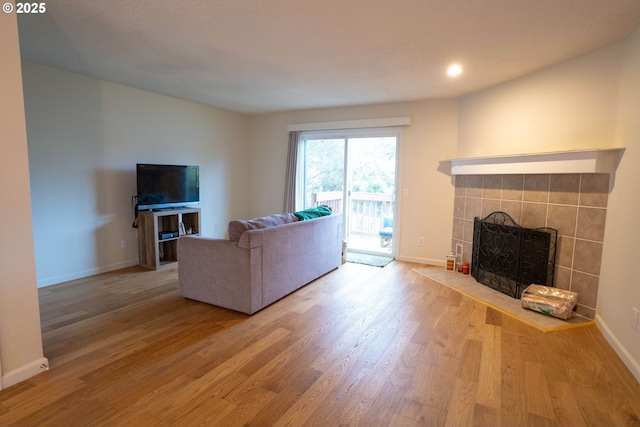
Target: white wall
(85, 137)
(619, 278)
(565, 107)
(588, 102)
(20, 339)
(430, 138)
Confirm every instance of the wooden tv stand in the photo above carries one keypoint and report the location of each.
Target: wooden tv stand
(158, 234)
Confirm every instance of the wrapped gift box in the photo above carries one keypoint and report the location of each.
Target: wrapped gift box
(550, 301)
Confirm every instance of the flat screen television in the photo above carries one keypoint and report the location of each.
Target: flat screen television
(167, 186)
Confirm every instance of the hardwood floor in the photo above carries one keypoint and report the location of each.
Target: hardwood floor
(360, 346)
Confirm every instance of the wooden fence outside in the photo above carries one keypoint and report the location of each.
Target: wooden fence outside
(367, 209)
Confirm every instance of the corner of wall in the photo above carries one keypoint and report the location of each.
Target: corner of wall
(25, 372)
(627, 358)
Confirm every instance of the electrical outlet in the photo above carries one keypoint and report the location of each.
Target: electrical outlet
(420, 241)
(123, 243)
(634, 318)
(405, 193)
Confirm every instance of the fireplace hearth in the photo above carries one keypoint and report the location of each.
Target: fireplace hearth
(508, 258)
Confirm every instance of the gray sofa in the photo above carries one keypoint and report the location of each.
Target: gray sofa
(272, 257)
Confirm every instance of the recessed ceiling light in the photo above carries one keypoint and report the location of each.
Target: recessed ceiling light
(454, 70)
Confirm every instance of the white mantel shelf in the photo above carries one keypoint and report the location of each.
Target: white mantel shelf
(579, 161)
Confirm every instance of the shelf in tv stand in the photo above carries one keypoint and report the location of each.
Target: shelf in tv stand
(167, 240)
(176, 238)
(154, 252)
(173, 208)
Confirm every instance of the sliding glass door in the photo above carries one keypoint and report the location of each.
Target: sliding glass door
(354, 172)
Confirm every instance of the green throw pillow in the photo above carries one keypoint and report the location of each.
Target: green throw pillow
(313, 213)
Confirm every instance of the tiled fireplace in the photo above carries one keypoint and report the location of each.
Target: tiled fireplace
(574, 204)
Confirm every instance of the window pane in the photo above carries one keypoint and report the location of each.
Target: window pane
(373, 164)
(324, 173)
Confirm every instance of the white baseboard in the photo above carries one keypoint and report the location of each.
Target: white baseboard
(24, 372)
(620, 349)
(419, 260)
(85, 273)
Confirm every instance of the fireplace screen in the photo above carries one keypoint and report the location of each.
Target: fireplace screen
(508, 258)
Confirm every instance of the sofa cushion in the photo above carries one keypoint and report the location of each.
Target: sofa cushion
(237, 227)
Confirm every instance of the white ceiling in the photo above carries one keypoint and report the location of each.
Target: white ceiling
(270, 55)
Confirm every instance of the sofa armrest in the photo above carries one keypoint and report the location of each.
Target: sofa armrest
(218, 272)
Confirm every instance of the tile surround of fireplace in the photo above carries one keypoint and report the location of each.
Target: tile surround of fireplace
(574, 204)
